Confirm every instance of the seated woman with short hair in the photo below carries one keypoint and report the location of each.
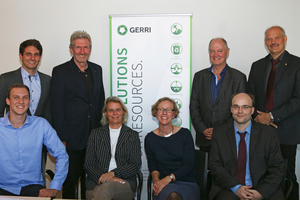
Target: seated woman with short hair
(113, 155)
(171, 155)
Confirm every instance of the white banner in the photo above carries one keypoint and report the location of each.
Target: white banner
(150, 59)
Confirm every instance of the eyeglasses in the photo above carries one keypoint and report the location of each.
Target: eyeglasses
(244, 107)
(168, 110)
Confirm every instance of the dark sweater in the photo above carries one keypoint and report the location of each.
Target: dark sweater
(174, 154)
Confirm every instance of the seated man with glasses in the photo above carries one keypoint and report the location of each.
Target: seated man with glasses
(245, 159)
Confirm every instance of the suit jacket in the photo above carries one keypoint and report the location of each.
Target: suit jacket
(203, 112)
(266, 162)
(127, 155)
(286, 95)
(9, 78)
(74, 113)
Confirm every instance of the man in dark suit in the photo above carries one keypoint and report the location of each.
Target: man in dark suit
(77, 98)
(275, 83)
(211, 92)
(30, 53)
(245, 159)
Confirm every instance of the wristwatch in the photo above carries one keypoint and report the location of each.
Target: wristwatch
(171, 177)
(271, 116)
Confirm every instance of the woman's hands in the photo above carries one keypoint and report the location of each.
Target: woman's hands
(106, 177)
(159, 184)
(109, 176)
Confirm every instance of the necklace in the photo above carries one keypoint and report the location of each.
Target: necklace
(166, 135)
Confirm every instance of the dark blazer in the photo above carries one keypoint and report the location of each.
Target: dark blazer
(286, 95)
(74, 113)
(9, 78)
(266, 162)
(98, 156)
(203, 112)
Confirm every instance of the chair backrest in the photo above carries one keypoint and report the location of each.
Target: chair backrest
(286, 184)
(139, 185)
(201, 168)
(149, 187)
(44, 170)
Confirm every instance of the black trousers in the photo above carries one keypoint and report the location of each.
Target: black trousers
(76, 171)
(289, 153)
(28, 190)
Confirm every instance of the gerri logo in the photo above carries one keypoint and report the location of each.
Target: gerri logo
(122, 30)
(140, 29)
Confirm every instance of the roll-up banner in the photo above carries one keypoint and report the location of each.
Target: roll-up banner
(150, 58)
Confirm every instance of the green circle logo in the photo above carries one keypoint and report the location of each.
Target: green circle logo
(176, 48)
(122, 30)
(176, 86)
(178, 103)
(177, 122)
(176, 29)
(176, 68)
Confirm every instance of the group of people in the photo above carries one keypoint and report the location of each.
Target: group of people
(245, 155)
(104, 156)
(273, 98)
(76, 95)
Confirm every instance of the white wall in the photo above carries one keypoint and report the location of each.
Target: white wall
(242, 23)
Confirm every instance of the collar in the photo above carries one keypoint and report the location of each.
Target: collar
(87, 67)
(25, 74)
(6, 121)
(248, 129)
(222, 73)
(280, 57)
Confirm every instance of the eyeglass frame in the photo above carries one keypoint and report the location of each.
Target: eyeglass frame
(161, 110)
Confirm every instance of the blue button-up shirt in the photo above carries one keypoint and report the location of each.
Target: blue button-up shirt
(21, 153)
(248, 180)
(34, 86)
(215, 84)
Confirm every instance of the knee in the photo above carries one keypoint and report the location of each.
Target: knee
(174, 196)
(99, 192)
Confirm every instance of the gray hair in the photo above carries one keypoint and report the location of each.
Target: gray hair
(114, 99)
(78, 35)
(224, 41)
(282, 30)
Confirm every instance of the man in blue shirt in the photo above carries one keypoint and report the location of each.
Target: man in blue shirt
(30, 54)
(21, 142)
(245, 158)
(211, 92)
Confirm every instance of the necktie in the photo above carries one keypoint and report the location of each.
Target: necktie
(270, 87)
(242, 159)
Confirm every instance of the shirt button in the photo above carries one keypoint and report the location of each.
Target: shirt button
(89, 116)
